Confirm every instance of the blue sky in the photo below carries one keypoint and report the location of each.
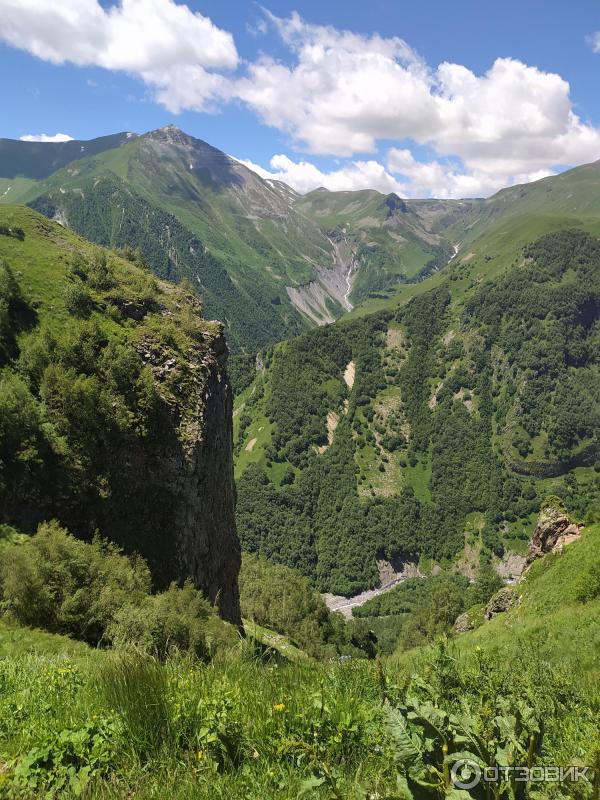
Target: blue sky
(427, 99)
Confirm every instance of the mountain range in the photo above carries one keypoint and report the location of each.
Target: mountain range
(267, 261)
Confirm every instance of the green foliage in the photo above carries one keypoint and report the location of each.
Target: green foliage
(279, 598)
(588, 583)
(66, 762)
(545, 318)
(242, 371)
(129, 725)
(90, 405)
(92, 592)
(518, 370)
(177, 619)
(430, 735)
(64, 585)
(16, 313)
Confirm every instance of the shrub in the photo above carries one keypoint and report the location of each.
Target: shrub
(78, 300)
(278, 597)
(65, 585)
(587, 587)
(178, 619)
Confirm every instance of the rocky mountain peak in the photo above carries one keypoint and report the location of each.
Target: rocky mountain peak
(170, 134)
(394, 203)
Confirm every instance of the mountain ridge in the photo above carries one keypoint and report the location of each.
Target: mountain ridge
(292, 260)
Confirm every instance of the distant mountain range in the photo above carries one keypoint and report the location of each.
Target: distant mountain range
(268, 261)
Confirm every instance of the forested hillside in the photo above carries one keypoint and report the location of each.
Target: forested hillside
(431, 431)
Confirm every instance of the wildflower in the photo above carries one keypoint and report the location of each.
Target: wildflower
(200, 755)
(279, 707)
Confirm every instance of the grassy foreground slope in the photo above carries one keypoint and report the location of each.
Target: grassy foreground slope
(558, 614)
(522, 689)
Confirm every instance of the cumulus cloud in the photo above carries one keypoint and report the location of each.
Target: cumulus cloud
(345, 92)
(304, 176)
(594, 40)
(447, 179)
(402, 174)
(45, 137)
(160, 41)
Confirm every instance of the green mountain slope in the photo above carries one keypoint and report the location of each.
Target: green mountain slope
(429, 431)
(389, 240)
(558, 612)
(37, 160)
(281, 262)
(247, 224)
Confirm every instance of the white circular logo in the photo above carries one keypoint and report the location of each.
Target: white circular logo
(465, 773)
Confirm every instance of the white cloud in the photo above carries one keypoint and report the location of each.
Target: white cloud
(304, 176)
(44, 137)
(442, 179)
(594, 40)
(345, 92)
(160, 41)
(402, 174)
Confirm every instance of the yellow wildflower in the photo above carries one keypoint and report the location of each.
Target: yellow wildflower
(279, 707)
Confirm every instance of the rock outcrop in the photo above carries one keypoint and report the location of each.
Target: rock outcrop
(554, 528)
(136, 444)
(463, 623)
(209, 549)
(502, 601)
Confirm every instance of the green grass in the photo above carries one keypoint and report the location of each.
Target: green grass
(16, 641)
(16, 190)
(418, 477)
(550, 616)
(119, 724)
(273, 641)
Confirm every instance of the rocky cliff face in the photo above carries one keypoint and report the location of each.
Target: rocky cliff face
(179, 488)
(208, 548)
(554, 528)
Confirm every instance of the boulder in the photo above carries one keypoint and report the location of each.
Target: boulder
(463, 623)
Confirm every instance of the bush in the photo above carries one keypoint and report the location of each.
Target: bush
(278, 597)
(587, 587)
(178, 619)
(93, 592)
(78, 301)
(65, 585)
